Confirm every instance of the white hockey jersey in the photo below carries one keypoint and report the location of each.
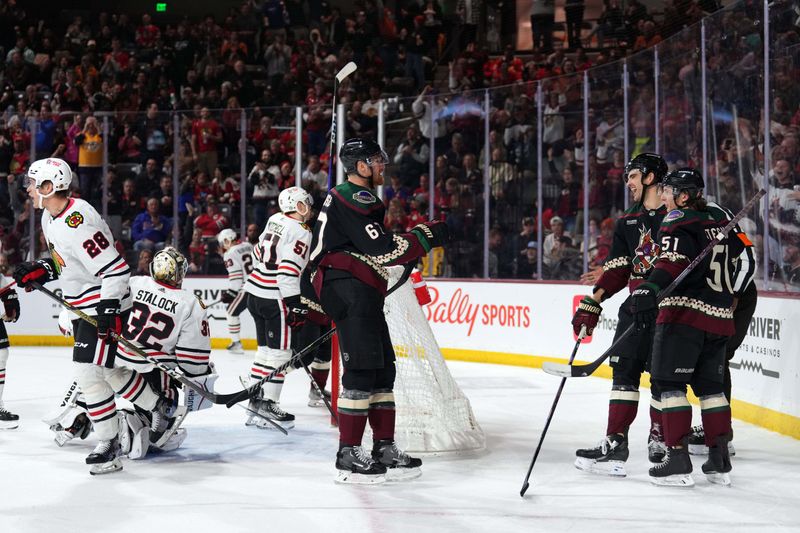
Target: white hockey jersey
(170, 324)
(279, 257)
(82, 247)
(239, 262)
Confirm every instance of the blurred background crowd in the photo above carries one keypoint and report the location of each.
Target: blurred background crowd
(178, 127)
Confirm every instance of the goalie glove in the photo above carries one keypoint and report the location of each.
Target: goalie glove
(296, 311)
(587, 314)
(644, 306)
(432, 234)
(41, 270)
(228, 296)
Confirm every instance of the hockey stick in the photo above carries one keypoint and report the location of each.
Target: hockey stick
(579, 371)
(171, 372)
(525, 483)
(340, 77)
(8, 287)
(320, 391)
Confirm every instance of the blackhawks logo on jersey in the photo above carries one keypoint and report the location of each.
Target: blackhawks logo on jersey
(74, 220)
(646, 253)
(57, 259)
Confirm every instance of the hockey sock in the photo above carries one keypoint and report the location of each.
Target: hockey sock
(622, 409)
(132, 386)
(3, 359)
(676, 414)
(655, 414)
(272, 388)
(382, 414)
(320, 371)
(234, 327)
(716, 413)
(353, 408)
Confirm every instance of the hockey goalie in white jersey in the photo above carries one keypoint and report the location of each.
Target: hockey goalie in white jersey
(171, 326)
(274, 288)
(238, 258)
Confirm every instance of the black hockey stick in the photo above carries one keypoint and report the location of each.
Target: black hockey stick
(340, 77)
(525, 483)
(579, 371)
(174, 373)
(320, 391)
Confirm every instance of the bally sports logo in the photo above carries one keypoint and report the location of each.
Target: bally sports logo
(459, 309)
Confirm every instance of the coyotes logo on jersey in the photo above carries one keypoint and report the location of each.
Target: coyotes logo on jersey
(647, 252)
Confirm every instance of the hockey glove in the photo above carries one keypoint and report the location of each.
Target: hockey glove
(432, 234)
(296, 311)
(108, 319)
(587, 314)
(11, 304)
(228, 296)
(41, 270)
(644, 306)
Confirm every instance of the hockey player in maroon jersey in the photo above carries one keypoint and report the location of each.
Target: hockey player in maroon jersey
(692, 326)
(633, 252)
(349, 250)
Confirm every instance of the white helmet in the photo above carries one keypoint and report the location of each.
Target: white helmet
(52, 169)
(288, 198)
(226, 236)
(169, 266)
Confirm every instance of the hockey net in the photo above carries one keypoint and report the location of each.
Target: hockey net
(433, 415)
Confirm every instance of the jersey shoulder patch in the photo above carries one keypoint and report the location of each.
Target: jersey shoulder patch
(673, 215)
(74, 219)
(360, 198)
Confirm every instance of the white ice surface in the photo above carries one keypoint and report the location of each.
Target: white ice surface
(228, 477)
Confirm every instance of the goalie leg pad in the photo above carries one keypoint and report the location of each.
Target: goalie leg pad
(134, 434)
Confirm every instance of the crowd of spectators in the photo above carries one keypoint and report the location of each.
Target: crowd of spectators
(68, 77)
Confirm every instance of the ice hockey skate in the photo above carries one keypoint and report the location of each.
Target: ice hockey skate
(697, 442)
(235, 348)
(8, 420)
(105, 457)
(173, 424)
(606, 458)
(355, 465)
(315, 400)
(718, 465)
(399, 465)
(656, 448)
(675, 470)
(273, 411)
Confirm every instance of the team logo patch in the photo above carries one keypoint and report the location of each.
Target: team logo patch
(74, 220)
(364, 197)
(646, 253)
(675, 214)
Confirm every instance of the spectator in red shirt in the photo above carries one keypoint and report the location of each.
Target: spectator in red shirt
(206, 134)
(148, 33)
(212, 221)
(226, 189)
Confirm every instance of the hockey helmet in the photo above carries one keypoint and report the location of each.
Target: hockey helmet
(355, 150)
(647, 162)
(686, 180)
(51, 169)
(169, 266)
(226, 236)
(289, 197)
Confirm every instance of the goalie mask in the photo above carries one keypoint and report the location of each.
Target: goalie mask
(226, 238)
(290, 197)
(169, 267)
(52, 169)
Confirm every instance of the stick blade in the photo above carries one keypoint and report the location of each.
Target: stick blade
(346, 71)
(557, 369)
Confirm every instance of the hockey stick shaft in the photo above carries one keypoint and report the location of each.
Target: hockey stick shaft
(8, 287)
(171, 372)
(578, 371)
(319, 391)
(525, 483)
(340, 77)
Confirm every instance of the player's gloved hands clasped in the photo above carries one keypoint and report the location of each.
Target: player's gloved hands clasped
(587, 314)
(644, 306)
(41, 271)
(297, 311)
(228, 296)
(108, 319)
(11, 305)
(432, 234)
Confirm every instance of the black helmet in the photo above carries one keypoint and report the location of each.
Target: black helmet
(686, 180)
(355, 150)
(648, 162)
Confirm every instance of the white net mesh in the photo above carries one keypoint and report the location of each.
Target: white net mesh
(433, 415)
